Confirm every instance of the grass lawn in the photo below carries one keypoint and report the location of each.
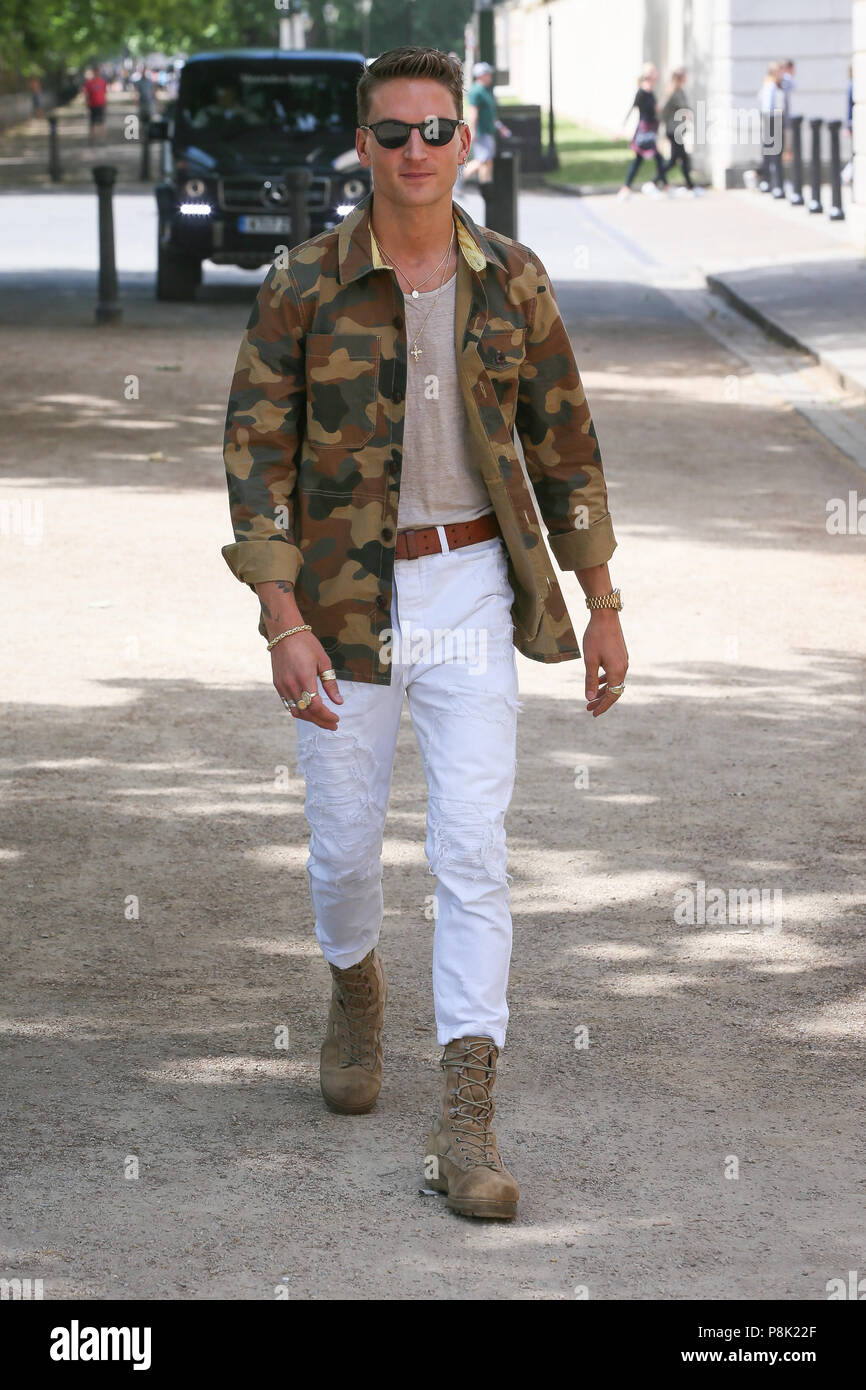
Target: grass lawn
(585, 156)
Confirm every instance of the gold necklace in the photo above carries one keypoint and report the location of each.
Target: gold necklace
(415, 350)
(402, 271)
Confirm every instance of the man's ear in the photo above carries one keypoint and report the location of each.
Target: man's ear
(361, 137)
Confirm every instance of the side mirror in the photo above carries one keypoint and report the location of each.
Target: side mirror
(158, 129)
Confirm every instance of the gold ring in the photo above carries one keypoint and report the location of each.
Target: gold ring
(329, 675)
(306, 699)
(616, 689)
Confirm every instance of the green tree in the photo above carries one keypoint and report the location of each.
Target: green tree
(38, 36)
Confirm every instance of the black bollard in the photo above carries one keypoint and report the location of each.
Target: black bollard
(108, 309)
(55, 173)
(815, 200)
(777, 127)
(836, 213)
(500, 195)
(797, 162)
(144, 137)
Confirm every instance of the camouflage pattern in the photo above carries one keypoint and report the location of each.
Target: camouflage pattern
(314, 436)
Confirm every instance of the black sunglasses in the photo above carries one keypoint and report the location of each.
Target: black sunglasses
(435, 130)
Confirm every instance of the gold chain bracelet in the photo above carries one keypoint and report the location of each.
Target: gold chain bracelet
(302, 627)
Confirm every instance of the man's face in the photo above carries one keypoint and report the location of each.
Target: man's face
(227, 98)
(416, 174)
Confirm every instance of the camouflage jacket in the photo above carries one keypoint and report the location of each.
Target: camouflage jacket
(314, 436)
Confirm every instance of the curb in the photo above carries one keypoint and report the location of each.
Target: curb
(774, 330)
(582, 190)
(716, 285)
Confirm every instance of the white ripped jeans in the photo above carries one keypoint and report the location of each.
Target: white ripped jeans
(452, 653)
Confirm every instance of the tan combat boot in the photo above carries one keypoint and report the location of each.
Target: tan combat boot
(462, 1158)
(350, 1064)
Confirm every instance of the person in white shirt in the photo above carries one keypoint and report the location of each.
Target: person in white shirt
(771, 102)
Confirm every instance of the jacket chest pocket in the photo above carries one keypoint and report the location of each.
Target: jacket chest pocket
(342, 377)
(502, 355)
(502, 352)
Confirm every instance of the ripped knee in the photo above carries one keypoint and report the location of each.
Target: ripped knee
(338, 771)
(467, 839)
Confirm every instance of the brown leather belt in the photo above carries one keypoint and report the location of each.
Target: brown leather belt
(424, 540)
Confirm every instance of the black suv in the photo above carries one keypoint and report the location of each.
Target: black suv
(242, 122)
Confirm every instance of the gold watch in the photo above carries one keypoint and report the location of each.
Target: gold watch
(611, 600)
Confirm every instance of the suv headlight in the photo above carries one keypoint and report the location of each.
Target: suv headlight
(195, 188)
(353, 189)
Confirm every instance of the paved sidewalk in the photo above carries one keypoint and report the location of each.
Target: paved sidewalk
(24, 148)
(819, 306)
(798, 274)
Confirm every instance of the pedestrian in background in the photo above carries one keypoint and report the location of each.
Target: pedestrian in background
(848, 171)
(771, 103)
(643, 142)
(676, 112)
(483, 125)
(787, 84)
(96, 97)
(146, 95)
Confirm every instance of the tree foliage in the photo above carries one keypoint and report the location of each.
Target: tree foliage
(46, 36)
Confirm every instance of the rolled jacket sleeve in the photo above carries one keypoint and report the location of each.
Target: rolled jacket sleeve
(555, 427)
(263, 431)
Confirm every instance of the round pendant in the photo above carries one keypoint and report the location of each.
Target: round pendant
(414, 294)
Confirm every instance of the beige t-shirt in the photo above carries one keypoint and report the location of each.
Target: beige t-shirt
(441, 481)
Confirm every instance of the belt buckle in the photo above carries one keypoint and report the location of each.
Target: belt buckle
(411, 538)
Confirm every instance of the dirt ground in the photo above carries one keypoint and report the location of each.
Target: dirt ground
(147, 761)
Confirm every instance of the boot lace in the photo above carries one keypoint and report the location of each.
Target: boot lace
(357, 1004)
(471, 1114)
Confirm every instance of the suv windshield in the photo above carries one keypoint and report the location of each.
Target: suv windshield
(223, 99)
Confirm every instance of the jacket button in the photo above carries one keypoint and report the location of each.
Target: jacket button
(380, 601)
(398, 395)
(387, 533)
(500, 355)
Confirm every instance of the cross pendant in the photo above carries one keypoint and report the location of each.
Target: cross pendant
(416, 352)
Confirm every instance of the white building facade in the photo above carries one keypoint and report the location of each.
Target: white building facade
(598, 50)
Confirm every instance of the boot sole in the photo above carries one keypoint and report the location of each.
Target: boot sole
(501, 1211)
(349, 1109)
(479, 1206)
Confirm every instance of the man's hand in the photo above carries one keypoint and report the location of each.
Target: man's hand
(297, 663)
(603, 648)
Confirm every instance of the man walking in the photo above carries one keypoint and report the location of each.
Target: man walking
(381, 515)
(483, 125)
(146, 95)
(96, 98)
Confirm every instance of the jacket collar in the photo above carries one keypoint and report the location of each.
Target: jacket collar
(358, 250)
